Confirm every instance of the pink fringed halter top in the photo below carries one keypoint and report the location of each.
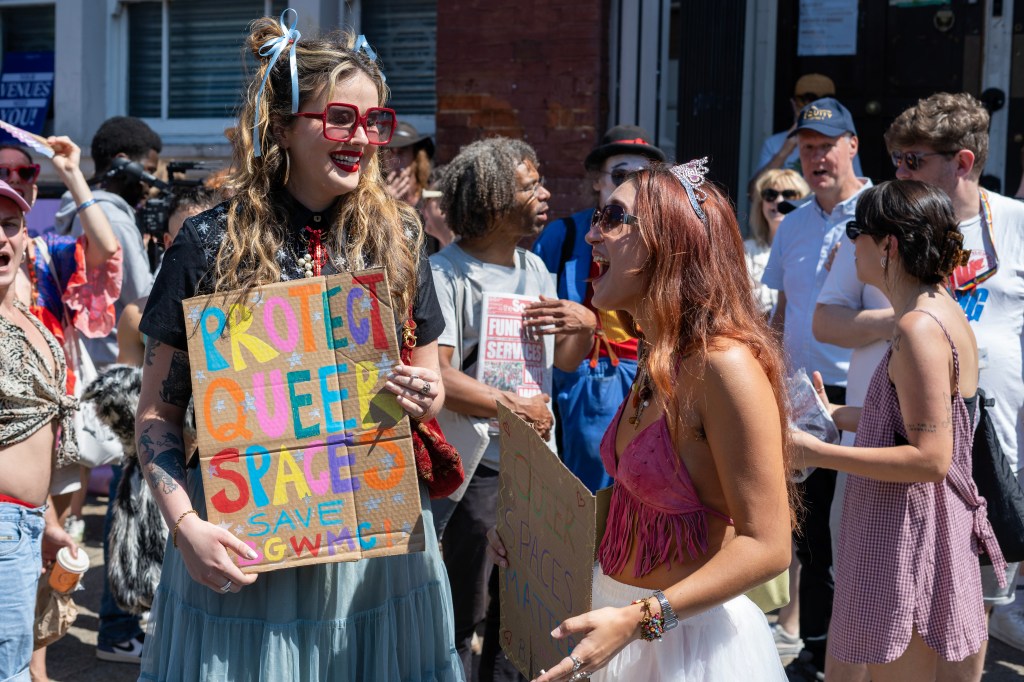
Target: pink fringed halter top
(653, 499)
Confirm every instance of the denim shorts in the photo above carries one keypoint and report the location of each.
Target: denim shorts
(21, 533)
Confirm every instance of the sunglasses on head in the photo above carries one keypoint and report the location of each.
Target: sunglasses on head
(26, 173)
(612, 217)
(854, 230)
(912, 160)
(341, 120)
(772, 195)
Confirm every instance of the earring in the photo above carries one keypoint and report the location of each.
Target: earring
(287, 166)
(885, 262)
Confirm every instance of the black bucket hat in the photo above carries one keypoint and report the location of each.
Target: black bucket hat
(624, 139)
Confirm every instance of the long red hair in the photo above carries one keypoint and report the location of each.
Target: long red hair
(698, 291)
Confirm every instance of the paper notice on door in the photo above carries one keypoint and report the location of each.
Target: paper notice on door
(827, 28)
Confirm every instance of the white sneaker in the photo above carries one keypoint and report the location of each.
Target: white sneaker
(75, 527)
(129, 651)
(1007, 625)
(788, 645)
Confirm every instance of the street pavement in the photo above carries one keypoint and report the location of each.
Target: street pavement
(73, 658)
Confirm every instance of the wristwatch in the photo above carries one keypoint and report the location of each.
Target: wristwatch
(668, 616)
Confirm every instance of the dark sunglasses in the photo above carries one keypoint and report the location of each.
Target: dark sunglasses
(772, 195)
(341, 120)
(854, 230)
(27, 173)
(612, 217)
(619, 176)
(807, 97)
(912, 160)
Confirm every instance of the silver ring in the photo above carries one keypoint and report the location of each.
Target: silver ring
(576, 664)
(426, 388)
(227, 586)
(581, 675)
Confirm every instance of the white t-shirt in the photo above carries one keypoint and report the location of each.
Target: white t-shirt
(528, 277)
(843, 288)
(756, 255)
(995, 310)
(797, 267)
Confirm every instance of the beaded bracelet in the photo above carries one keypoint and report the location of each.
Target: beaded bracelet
(174, 533)
(652, 626)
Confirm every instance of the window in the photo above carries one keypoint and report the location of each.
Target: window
(404, 35)
(28, 29)
(185, 57)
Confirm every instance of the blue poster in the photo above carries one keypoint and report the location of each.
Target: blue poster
(26, 87)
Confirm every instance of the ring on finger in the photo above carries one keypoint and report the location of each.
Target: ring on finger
(581, 675)
(425, 390)
(227, 586)
(576, 663)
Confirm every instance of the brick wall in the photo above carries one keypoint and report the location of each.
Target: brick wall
(533, 69)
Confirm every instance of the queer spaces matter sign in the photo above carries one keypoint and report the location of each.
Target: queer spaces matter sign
(304, 456)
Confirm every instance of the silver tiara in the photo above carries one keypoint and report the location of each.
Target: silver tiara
(691, 176)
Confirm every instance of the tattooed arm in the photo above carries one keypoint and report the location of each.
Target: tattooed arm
(921, 369)
(166, 389)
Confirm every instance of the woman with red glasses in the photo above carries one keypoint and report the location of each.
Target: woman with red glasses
(310, 200)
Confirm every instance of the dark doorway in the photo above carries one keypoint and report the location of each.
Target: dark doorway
(904, 53)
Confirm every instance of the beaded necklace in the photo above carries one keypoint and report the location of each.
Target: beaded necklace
(312, 262)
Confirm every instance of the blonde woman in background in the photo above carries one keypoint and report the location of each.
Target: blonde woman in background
(770, 188)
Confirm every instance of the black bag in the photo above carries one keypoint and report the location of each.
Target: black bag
(997, 483)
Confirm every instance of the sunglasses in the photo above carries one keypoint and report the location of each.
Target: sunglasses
(341, 120)
(26, 173)
(854, 230)
(619, 175)
(912, 160)
(772, 195)
(612, 217)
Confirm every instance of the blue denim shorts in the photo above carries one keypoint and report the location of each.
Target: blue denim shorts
(21, 533)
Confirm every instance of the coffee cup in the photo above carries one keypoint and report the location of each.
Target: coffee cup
(68, 570)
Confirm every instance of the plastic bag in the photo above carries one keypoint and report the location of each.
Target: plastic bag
(809, 414)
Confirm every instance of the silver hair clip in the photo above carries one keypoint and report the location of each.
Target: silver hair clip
(363, 45)
(691, 176)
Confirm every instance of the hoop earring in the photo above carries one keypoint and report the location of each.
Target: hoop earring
(885, 262)
(287, 166)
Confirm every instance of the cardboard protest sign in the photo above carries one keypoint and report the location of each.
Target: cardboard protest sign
(304, 455)
(548, 521)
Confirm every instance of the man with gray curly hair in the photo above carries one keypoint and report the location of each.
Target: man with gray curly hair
(492, 196)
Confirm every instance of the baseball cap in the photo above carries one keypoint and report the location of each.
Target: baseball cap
(826, 116)
(406, 135)
(814, 83)
(622, 139)
(10, 193)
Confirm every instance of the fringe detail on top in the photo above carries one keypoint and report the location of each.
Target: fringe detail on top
(655, 532)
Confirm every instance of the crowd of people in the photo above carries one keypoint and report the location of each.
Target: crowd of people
(666, 346)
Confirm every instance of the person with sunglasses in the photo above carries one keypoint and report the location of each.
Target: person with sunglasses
(310, 200)
(700, 509)
(771, 188)
(586, 396)
(944, 140)
(908, 582)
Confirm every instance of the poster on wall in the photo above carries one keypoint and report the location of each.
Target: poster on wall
(827, 28)
(26, 87)
(304, 455)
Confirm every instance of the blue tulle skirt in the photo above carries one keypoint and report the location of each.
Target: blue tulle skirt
(388, 618)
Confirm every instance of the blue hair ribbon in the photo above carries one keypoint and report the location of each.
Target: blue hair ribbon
(273, 49)
(362, 44)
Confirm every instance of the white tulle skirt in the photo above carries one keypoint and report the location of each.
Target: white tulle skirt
(729, 643)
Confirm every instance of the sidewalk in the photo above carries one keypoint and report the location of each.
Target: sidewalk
(73, 658)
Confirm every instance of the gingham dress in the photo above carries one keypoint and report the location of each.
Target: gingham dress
(908, 551)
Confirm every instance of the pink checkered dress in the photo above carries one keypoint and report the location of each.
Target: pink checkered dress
(908, 551)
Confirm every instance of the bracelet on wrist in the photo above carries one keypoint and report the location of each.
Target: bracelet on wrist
(652, 626)
(85, 204)
(174, 533)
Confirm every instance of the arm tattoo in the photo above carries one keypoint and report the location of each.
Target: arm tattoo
(177, 387)
(166, 471)
(922, 428)
(151, 351)
(947, 424)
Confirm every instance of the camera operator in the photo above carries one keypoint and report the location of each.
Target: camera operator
(125, 151)
(118, 191)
